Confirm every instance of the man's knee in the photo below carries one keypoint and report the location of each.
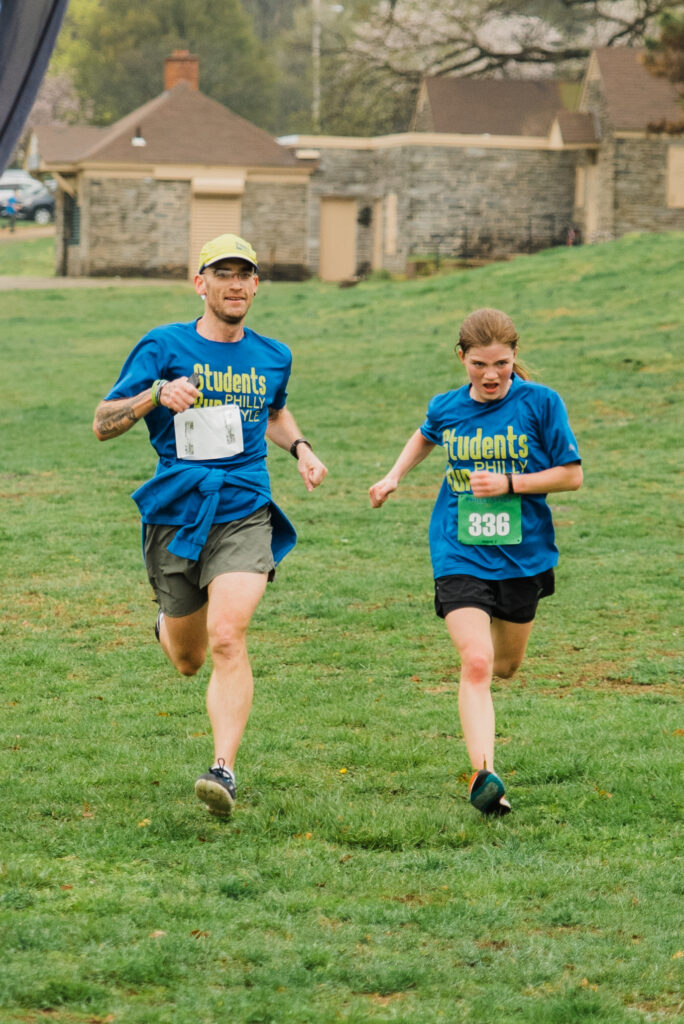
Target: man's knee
(227, 640)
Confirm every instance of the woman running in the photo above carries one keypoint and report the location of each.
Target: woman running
(508, 444)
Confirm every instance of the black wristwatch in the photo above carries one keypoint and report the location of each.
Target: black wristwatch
(293, 446)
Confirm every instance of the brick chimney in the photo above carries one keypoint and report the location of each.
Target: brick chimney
(181, 66)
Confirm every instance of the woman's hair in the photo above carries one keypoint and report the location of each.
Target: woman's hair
(490, 327)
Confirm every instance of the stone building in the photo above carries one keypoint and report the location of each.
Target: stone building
(488, 168)
(633, 180)
(141, 197)
(494, 167)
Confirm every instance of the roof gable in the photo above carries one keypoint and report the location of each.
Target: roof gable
(635, 98)
(577, 128)
(60, 144)
(466, 106)
(181, 126)
(184, 126)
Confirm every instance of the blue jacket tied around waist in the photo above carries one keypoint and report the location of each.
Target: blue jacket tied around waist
(180, 478)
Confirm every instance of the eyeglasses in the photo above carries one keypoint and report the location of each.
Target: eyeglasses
(224, 274)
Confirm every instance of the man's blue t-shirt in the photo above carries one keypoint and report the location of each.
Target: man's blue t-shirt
(252, 373)
(525, 432)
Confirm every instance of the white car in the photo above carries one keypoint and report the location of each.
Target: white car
(12, 180)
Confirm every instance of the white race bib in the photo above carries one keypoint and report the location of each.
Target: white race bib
(211, 432)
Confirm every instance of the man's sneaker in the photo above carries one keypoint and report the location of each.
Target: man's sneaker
(487, 793)
(157, 625)
(217, 789)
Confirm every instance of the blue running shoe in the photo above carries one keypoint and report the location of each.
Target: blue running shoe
(487, 793)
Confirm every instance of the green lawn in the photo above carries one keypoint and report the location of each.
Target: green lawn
(354, 882)
(34, 257)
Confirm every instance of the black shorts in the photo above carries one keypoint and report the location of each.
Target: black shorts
(513, 600)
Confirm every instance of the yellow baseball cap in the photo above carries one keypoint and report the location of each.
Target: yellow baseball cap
(226, 247)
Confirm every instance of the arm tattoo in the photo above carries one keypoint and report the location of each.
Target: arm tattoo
(117, 421)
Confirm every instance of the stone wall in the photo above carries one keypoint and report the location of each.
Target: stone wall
(487, 203)
(135, 227)
(631, 180)
(452, 201)
(641, 186)
(274, 219)
(597, 219)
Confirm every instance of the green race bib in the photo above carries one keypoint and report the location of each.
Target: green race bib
(489, 520)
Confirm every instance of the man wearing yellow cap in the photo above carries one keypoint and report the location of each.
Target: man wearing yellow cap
(211, 392)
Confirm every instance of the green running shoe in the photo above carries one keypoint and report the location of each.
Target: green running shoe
(487, 793)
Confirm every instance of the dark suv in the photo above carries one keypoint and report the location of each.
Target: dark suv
(37, 202)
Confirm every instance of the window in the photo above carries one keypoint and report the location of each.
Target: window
(72, 220)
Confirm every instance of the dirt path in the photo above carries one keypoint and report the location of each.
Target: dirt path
(22, 234)
(23, 282)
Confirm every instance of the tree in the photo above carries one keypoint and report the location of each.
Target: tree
(356, 98)
(114, 53)
(115, 50)
(56, 104)
(666, 54)
(665, 58)
(413, 38)
(272, 18)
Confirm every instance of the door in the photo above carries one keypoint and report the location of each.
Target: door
(211, 216)
(337, 259)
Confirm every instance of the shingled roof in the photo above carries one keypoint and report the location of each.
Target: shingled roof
(577, 128)
(634, 96)
(466, 106)
(60, 144)
(181, 126)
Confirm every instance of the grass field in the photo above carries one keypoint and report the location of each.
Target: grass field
(354, 882)
(31, 256)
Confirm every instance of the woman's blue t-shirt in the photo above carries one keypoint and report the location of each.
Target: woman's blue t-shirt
(525, 432)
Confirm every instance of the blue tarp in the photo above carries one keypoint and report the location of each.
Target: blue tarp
(28, 31)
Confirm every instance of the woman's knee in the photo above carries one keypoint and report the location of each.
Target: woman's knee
(476, 667)
(505, 668)
(189, 663)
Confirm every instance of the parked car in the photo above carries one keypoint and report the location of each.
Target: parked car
(15, 178)
(13, 181)
(37, 202)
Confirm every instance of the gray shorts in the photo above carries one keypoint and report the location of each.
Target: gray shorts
(181, 586)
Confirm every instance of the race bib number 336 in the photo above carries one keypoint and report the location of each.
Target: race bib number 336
(489, 520)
